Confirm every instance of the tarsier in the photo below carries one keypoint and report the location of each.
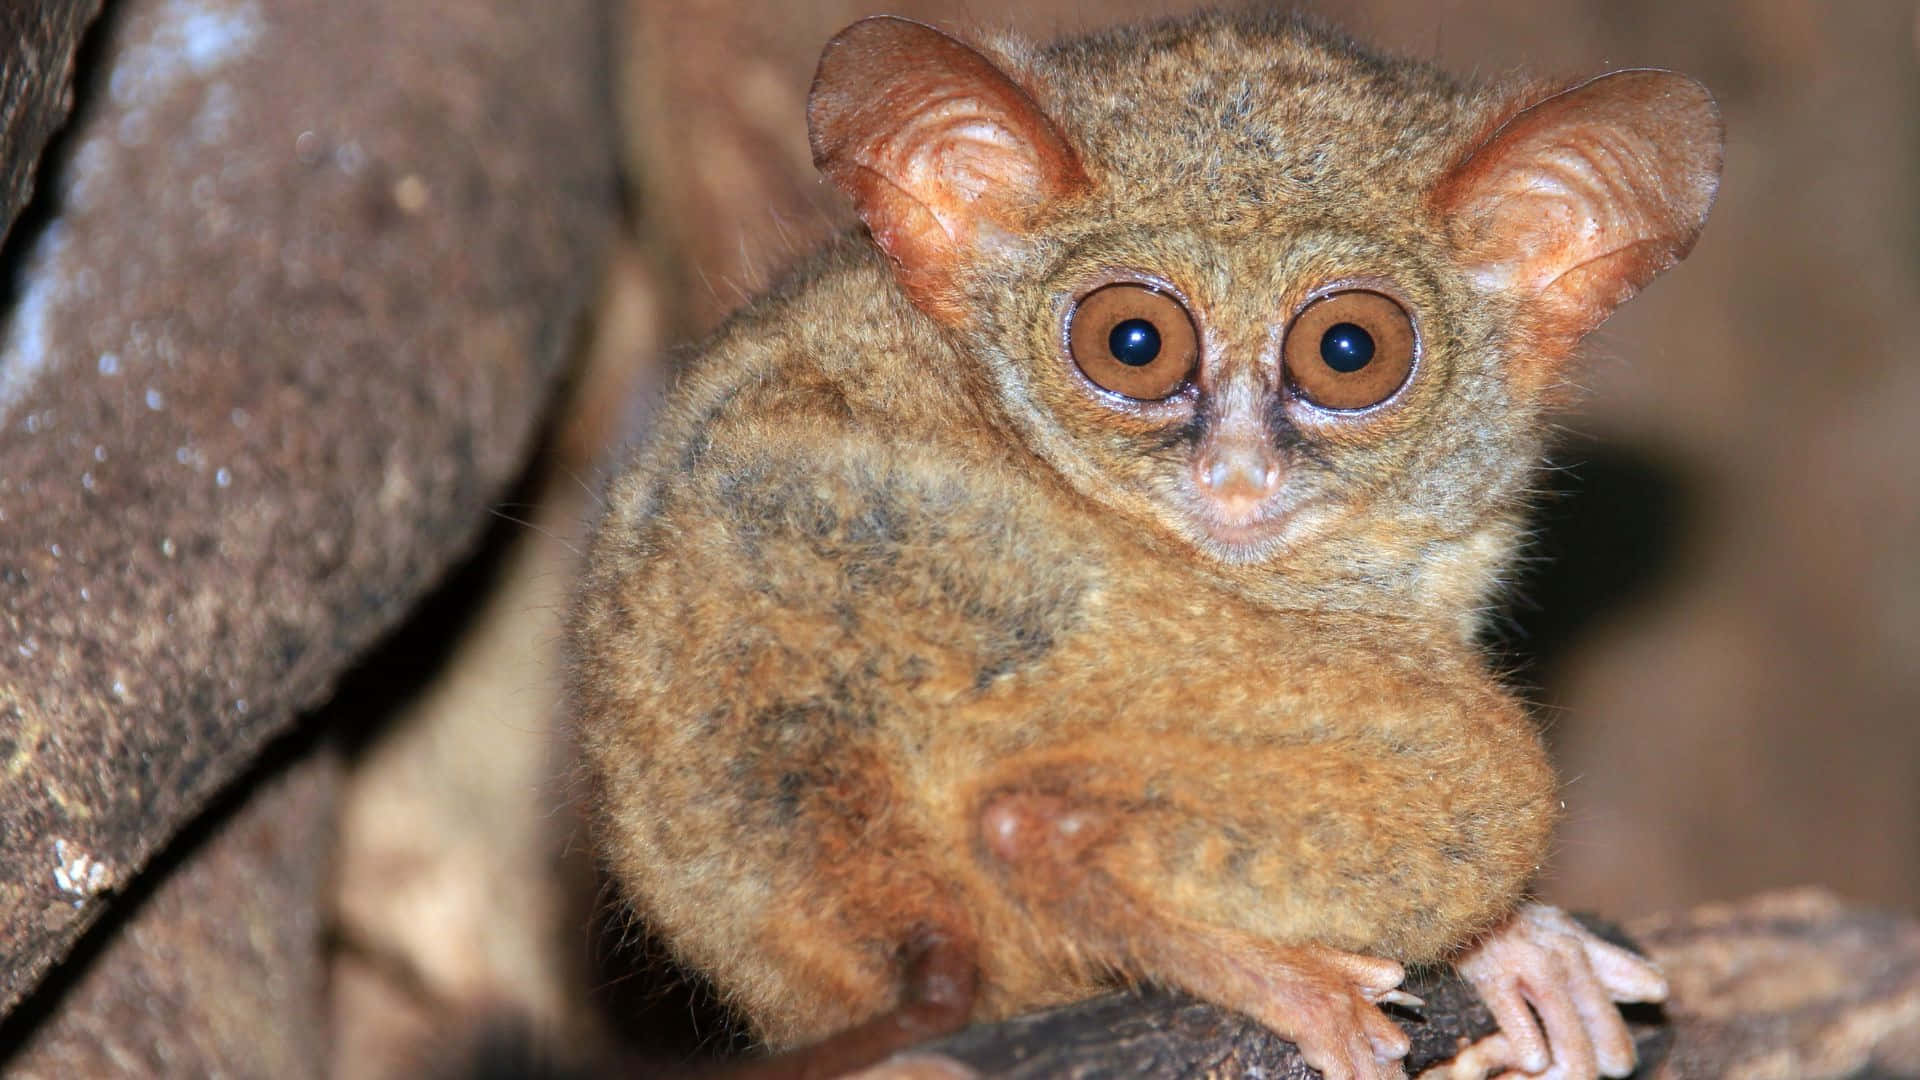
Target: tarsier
(1073, 576)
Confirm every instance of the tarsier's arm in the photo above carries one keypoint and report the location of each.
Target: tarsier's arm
(1084, 591)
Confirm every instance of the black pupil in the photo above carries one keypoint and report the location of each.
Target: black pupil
(1346, 348)
(1134, 342)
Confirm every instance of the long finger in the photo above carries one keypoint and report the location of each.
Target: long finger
(1373, 974)
(1626, 975)
(1613, 1051)
(1566, 1027)
(1526, 1044)
(1388, 1041)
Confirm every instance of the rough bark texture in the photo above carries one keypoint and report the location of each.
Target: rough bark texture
(1791, 985)
(306, 271)
(218, 972)
(38, 40)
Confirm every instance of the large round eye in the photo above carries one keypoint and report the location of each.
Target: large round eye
(1350, 350)
(1133, 340)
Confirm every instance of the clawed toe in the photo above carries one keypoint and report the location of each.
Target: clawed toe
(1542, 964)
(1323, 1000)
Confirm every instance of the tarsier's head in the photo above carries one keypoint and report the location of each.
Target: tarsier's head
(1296, 305)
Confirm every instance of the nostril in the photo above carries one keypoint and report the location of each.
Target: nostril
(1215, 475)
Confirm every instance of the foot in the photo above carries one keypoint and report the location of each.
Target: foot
(1331, 1012)
(1552, 986)
(1324, 1001)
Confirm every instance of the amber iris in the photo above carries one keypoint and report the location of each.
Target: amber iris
(1133, 340)
(1350, 350)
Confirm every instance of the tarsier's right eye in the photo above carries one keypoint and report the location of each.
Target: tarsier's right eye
(1133, 340)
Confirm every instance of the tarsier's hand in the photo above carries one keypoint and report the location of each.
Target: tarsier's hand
(1572, 980)
(1326, 1002)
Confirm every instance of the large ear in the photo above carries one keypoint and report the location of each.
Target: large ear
(942, 153)
(1577, 202)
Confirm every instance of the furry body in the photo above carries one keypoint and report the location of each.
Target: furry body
(893, 627)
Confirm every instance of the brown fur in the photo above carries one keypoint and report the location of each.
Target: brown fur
(887, 571)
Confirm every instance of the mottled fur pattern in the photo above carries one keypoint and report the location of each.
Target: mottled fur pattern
(875, 572)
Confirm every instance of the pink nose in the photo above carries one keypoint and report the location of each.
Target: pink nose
(1239, 474)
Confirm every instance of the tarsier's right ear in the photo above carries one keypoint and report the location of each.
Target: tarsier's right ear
(1576, 203)
(943, 155)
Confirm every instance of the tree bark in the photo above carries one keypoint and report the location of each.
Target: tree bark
(38, 41)
(1783, 985)
(306, 274)
(213, 967)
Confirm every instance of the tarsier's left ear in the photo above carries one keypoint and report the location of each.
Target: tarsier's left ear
(1577, 202)
(943, 155)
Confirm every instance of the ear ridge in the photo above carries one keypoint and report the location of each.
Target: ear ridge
(1577, 202)
(942, 152)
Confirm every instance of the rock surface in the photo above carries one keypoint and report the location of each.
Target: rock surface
(306, 272)
(218, 971)
(38, 40)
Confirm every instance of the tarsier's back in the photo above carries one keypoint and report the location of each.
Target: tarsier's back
(1074, 574)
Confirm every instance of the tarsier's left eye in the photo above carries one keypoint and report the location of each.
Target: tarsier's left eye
(1350, 349)
(1133, 340)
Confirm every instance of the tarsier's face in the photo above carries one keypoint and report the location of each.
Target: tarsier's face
(1139, 347)
(1292, 305)
(1248, 393)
